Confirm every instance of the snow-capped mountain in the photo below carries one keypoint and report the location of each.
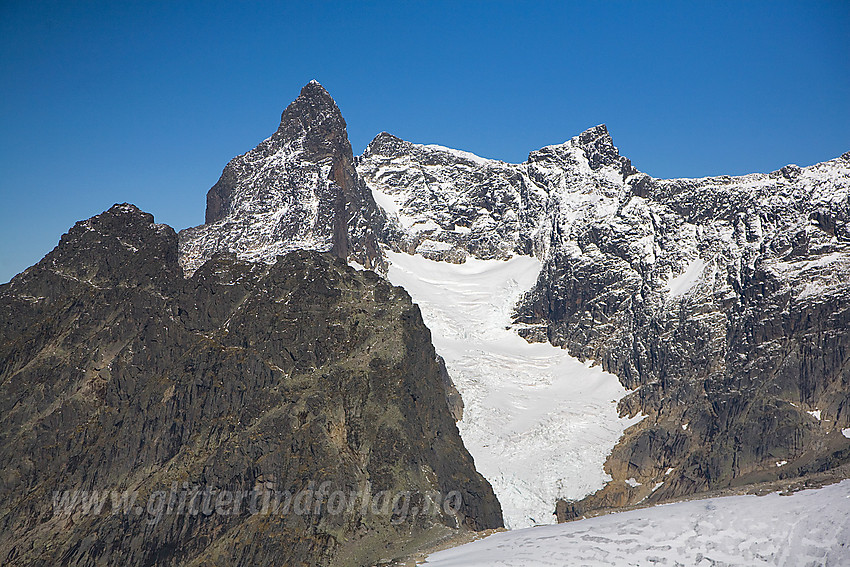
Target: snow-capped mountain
(297, 190)
(447, 204)
(721, 302)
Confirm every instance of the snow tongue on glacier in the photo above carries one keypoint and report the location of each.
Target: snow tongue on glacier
(538, 423)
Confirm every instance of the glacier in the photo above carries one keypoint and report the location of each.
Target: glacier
(538, 423)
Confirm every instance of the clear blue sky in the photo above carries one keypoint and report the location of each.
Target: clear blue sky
(104, 102)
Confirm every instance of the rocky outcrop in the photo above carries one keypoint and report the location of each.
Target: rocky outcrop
(118, 375)
(446, 204)
(297, 190)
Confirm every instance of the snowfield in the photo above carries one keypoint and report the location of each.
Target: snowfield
(538, 422)
(805, 529)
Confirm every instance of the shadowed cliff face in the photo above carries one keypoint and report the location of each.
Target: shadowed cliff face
(116, 374)
(297, 190)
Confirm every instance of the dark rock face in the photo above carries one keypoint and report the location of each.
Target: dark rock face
(297, 190)
(600, 151)
(117, 374)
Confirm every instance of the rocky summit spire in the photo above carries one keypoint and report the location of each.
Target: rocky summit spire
(298, 189)
(311, 125)
(600, 150)
(314, 114)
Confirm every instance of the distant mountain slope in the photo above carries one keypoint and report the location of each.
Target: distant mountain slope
(117, 374)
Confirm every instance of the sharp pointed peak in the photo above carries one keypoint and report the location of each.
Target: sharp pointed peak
(386, 144)
(314, 108)
(598, 147)
(596, 134)
(600, 150)
(386, 136)
(315, 89)
(314, 95)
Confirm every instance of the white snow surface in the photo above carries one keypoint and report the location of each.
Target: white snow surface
(469, 156)
(537, 421)
(811, 527)
(681, 284)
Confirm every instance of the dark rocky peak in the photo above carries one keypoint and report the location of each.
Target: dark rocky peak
(127, 223)
(312, 126)
(385, 144)
(298, 189)
(315, 120)
(122, 244)
(313, 101)
(305, 371)
(597, 147)
(599, 137)
(790, 171)
(601, 151)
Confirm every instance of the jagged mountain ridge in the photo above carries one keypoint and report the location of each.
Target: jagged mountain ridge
(117, 373)
(445, 203)
(692, 291)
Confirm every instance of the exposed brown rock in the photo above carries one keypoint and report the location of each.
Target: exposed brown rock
(116, 373)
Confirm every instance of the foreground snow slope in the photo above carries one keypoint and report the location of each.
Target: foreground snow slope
(538, 422)
(808, 528)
